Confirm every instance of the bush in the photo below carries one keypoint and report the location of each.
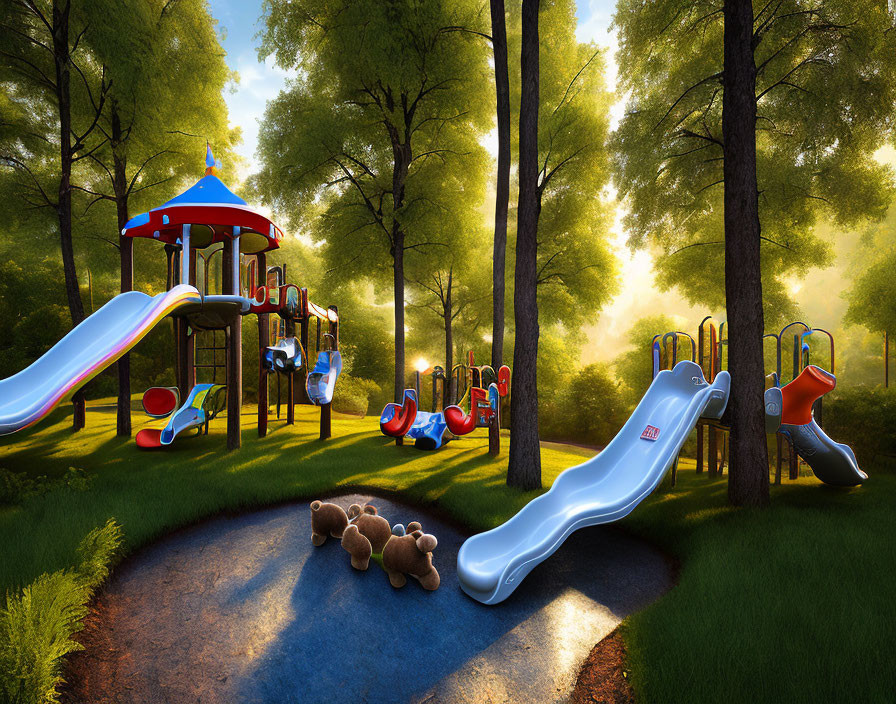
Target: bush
(589, 410)
(36, 626)
(16, 486)
(864, 419)
(352, 394)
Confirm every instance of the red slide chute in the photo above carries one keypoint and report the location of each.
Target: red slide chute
(395, 420)
(799, 395)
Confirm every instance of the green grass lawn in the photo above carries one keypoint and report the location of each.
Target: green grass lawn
(796, 603)
(790, 604)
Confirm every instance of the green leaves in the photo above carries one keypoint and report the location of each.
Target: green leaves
(826, 84)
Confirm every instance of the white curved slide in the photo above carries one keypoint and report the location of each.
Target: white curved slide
(83, 353)
(603, 489)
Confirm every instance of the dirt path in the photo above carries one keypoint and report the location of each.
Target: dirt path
(245, 609)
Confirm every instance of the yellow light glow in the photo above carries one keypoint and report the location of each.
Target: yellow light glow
(421, 365)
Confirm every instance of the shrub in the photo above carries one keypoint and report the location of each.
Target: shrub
(36, 625)
(864, 419)
(353, 394)
(16, 486)
(589, 409)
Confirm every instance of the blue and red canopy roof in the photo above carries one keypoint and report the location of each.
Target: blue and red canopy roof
(212, 210)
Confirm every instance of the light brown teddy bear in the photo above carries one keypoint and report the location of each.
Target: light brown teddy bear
(331, 520)
(366, 535)
(411, 554)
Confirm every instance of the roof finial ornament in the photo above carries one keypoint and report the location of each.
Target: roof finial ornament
(210, 164)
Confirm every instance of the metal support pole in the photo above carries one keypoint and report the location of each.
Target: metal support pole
(778, 457)
(417, 385)
(699, 448)
(263, 335)
(234, 381)
(185, 254)
(291, 378)
(235, 262)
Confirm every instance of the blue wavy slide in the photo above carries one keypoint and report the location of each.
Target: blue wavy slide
(607, 487)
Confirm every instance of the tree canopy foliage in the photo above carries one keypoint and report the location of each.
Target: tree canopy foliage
(825, 87)
(374, 144)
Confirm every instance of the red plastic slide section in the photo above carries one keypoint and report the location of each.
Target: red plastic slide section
(799, 395)
(149, 438)
(461, 423)
(396, 420)
(159, 401)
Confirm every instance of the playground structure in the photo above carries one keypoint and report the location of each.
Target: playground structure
(203, 222)
(606, 488)
(483, 388)
(709, 351)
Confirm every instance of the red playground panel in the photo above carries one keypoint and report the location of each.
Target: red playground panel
(160, 401)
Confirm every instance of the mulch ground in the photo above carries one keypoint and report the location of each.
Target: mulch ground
(602, 679)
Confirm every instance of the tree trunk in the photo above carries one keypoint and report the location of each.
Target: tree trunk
(126, 252)
(502, 185)
(398, 297)
(524, 468)
(64, 203)
(448, 315)
(748, 472)
(401, 162)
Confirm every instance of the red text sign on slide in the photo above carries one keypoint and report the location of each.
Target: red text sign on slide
(651, 432)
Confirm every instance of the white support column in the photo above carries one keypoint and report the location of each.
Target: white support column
(235, 243)
(185, 255)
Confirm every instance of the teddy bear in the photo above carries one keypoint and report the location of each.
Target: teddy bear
(365, 536)
(411, 554)
(400, 551)
(331, 520)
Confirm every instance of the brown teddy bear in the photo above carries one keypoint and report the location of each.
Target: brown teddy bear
(331, 520)
(411, 554)
(365, 536)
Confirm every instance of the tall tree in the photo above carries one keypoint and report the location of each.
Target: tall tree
(814, 153)
(576, 269)
(524, 466)
(166, 99)
(388, 96)
(502, 181)
(748, 474)
(813, 157)
(43, 44)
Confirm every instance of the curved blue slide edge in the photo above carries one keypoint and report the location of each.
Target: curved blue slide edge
(87, 349)
(832, 462)
(428, 430)
(603, 489)
(186, 417)
(321, 381)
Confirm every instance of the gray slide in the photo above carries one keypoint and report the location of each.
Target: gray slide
(832, 462)
(603, 489)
